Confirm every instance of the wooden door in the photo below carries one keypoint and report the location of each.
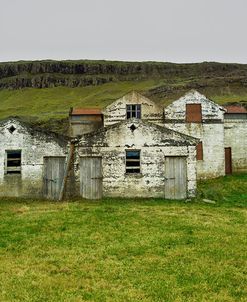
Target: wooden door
(176, 177)
(228, 161)
(53, 176)
(91, 177)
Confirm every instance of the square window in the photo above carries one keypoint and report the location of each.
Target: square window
(13, 162)
(193, 113)
(133, 161)
(133, 111)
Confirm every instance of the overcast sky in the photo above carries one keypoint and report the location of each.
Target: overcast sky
(134, 30)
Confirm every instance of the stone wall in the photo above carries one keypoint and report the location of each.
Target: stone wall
(212, 138)
(210, 131)
(236, 138)
(34, 145)
(154, 143)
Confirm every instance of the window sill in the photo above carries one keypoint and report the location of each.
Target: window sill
(134, 175)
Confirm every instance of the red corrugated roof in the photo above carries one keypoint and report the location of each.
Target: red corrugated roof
(235, 109)
(86, 111)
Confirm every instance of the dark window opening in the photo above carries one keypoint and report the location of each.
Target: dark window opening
(13, 162)
(11, 129)
(235, 116)
(133, 161)
(193, 113)
(199, 151)
(133, 111)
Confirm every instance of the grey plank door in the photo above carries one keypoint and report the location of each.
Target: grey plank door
(53, 176)
(91, 177)
(176, 177)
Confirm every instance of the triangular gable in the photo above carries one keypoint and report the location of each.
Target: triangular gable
(194, 95)
(138, 131)
(13, 126)
(210, 110)
(131, 98)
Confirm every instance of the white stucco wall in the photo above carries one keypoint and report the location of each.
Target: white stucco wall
(34, 146)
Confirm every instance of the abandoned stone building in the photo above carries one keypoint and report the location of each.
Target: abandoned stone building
(31, 161)
(221, 130)
(135, 158)
(132, 148)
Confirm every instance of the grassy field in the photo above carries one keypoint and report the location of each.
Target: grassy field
(127, 250)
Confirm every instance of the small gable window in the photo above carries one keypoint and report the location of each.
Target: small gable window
(199, 151)
(133, 161)
(13, 162)
(133, 111)
(193, 113)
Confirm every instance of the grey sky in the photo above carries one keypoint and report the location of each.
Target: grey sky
(141, 30)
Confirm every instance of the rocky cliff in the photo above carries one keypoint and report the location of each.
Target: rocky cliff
(47, 74)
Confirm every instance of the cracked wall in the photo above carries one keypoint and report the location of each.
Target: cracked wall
(34, 145)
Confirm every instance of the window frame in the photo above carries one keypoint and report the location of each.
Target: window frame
(137, 111)
(129, 168)
(13, 169)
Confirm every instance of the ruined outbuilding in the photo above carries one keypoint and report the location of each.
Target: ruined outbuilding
(84, 120)
(31, 160)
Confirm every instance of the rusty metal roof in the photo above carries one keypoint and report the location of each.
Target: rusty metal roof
(235, 109)
(86, 111)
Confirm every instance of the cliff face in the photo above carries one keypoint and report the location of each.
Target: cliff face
(45, 74)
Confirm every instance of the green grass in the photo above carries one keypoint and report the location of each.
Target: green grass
(127, 250)
(54, 103)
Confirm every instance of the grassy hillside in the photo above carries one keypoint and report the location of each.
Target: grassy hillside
(43, 91)
(127, 250)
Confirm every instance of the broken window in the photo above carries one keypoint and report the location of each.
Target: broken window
(133, 111)
(199, 151)
(133, 161)
(13, 162)
(193, 113)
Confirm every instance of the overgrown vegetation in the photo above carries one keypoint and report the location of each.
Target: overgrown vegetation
(127, 250)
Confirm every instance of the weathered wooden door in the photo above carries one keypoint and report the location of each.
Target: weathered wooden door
(53, 176)
(228, 161)
(176, 177)
(91, 177)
